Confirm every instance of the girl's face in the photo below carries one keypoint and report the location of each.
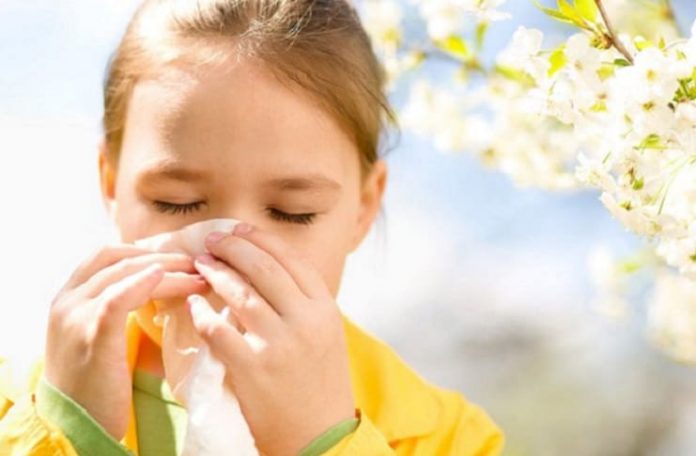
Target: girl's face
(239, 144)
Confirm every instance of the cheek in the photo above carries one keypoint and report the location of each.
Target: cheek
(333, 277)
(127, 218)
(330, 266)
(327, 254)
(335, 244)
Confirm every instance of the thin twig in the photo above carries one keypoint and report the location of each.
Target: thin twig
(434, 53)
(611, 34)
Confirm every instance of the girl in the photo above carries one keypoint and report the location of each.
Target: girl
(267, 111)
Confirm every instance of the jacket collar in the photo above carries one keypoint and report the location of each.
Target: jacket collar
(395, 398)
(133, 335)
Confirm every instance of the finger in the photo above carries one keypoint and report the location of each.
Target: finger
(126, 295)
(267, 276)
(306, 276)
(252, 311)
(180, 284)
(170, 262)
(102, 258)
(225, 341)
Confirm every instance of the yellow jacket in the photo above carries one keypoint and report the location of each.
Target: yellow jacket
(400, 413)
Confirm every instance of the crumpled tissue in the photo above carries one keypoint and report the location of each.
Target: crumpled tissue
(216, 425)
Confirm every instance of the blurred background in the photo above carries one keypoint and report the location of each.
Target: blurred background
(480, 286)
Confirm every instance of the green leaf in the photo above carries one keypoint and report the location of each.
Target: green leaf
(553, 13)
(661, 44)
(641, 43)
(455, 45)
(638, 184)
(557, 59)
(630, 266)
(481, 30)
(571, 13)
(600, 106)
(565, 8)
(622, 62)
(606, 71)
(587, 9)
(558, 16)
(515, 75)
(652, 141)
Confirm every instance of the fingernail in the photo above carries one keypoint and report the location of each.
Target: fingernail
(215, 236)
(205, 259)
(242, 228)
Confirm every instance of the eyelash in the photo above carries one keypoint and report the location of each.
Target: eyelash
(302, 219)
(161, 206)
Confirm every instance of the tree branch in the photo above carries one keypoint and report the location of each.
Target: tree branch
(611, 34)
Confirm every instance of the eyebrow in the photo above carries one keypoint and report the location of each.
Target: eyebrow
(173, 171)
(312, 181)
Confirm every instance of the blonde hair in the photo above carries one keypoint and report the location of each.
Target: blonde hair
(318, 45)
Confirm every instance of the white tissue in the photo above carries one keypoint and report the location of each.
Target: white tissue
(216, 425)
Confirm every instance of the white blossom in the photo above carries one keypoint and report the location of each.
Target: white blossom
(445, 18)
(382, 21)
(523, 53)
(579, 114)
(632, 138)
(441, 115)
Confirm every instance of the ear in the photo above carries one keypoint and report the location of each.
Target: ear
(107, 180)
(371, 196)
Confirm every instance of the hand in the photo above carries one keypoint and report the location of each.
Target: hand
(289, 365)
(86, 340)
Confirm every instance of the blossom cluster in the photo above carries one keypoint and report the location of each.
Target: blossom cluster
(583, 113)
(604, 110)
(634, 125)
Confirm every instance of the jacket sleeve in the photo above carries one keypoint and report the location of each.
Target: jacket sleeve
(87, 436)
(22, 430)
(331, 437)
(463, 430)
(365, 439)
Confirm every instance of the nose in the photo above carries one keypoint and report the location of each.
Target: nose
(247, 215)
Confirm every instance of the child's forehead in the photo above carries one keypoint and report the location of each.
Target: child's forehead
(245, 92)
(235, 115)
(171, 85)
(182, 78)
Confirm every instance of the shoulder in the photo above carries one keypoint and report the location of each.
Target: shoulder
(403, 405)
(467, 426)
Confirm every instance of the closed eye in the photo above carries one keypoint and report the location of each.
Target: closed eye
(171, 208)
(303, 219)
(276, 214)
